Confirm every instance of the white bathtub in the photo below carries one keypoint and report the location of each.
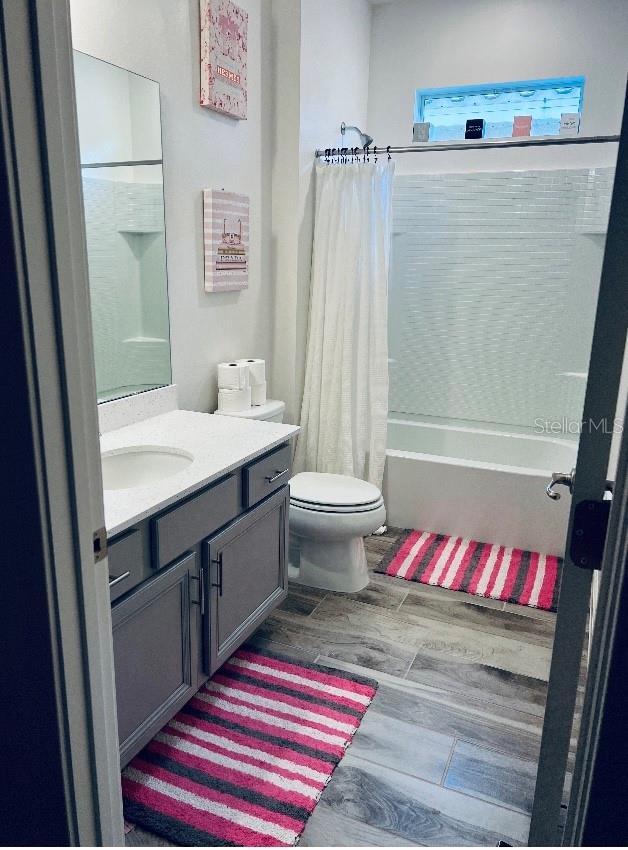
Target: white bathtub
(477, 483)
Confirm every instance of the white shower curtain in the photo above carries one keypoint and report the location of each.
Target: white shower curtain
(345, 400)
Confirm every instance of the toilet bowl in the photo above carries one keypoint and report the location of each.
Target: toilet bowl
(329, 517)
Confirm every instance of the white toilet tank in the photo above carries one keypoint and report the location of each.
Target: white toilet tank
(272, 411)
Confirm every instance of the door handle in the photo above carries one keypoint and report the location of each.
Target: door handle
(218, 584)
(563, 478)
(567, 480)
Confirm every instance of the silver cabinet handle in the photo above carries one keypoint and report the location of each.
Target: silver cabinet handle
(271, 478)
(113, 580)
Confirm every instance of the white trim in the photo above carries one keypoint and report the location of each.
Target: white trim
(45, 174)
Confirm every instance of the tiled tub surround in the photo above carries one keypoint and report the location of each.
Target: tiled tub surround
(124, 217)
(484, 267)
(218, 444)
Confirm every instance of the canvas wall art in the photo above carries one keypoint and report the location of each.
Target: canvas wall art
(223, 57)
(226, 240)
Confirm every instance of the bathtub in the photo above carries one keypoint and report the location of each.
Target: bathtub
(477, 483)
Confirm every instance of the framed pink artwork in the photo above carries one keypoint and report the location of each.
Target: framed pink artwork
(226, 240)
(223, 57)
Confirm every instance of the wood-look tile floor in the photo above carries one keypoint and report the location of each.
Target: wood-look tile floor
(447, 752)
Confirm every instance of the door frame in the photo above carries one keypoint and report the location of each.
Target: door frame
(64, 743)
(597, 813)
(605, 367)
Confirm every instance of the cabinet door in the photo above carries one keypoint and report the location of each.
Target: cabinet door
(248, 576)
(155, 653)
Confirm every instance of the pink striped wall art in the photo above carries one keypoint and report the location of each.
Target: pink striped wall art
(225, 240)
(481, 569)
(246, 760)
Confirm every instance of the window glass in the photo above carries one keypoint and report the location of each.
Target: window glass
(544, 101)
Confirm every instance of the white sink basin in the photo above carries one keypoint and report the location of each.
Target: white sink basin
(140, 466)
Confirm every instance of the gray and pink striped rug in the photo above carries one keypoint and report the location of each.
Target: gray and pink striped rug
(246, 760)
(481, 569)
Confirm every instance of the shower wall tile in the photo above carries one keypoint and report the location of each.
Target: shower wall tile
(139, 207)
(493, 285)
(128, 284)
(107, 280)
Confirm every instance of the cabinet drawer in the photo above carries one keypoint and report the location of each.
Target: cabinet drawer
(182, 527)
(269, 473)
(126, 563)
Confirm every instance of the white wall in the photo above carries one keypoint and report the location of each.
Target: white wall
(323, 57)
(461, 42)
(335, 56)
(201, 149)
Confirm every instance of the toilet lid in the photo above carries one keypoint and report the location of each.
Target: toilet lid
(325, 488)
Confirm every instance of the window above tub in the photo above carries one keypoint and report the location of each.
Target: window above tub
(448, 109)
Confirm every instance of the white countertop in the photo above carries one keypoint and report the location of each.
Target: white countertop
(219, 444)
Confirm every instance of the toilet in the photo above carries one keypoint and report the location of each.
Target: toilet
(329, 517)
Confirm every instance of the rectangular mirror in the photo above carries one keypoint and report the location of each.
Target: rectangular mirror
(119, 124)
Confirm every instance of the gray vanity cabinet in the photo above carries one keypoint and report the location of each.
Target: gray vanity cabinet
(155, 642)
(189, 585)
(247, 569)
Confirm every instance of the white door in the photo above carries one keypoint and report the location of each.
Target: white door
(45, 226)
(588, 485)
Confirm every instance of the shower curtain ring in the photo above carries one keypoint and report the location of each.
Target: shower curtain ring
(388, 152)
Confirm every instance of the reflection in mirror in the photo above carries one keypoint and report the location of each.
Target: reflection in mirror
(120, 141)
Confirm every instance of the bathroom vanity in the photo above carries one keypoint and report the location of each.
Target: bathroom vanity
(197, 559)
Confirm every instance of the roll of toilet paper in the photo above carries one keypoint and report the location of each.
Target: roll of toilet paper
(232, 400)
(258, 394)
(257, 370)
(233, 376)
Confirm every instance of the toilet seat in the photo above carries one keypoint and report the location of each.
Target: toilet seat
(330, 493)
(337, 509)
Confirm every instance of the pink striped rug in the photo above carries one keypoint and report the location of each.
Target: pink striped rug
(481, 569)
(246, 760)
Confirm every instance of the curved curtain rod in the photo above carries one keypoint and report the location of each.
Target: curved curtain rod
(428, 147)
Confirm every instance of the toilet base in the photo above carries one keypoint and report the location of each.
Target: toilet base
(338, 565)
